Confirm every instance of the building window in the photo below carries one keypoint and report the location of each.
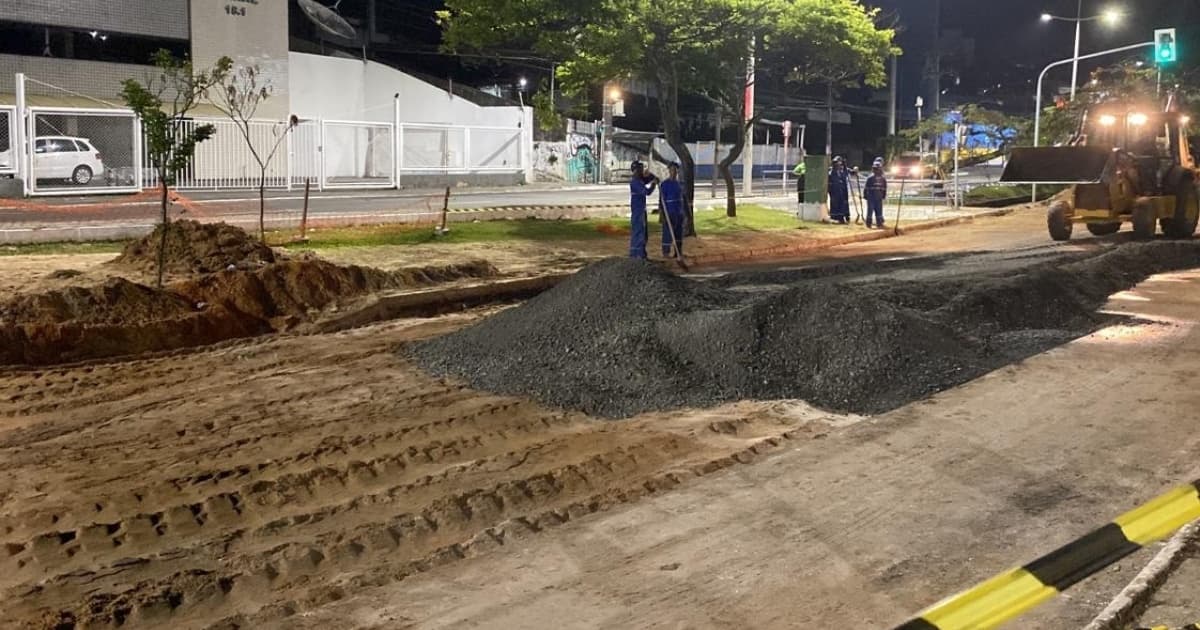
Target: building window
(36, 40)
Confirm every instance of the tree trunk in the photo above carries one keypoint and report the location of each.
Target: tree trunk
(162, 242)
(262, 206)
(668, 105)
(739, 145)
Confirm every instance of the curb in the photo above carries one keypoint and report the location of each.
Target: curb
(783, 251)
(1134, 598)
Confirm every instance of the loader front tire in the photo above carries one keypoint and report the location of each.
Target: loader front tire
(1144, 219)
(1058, 220)
(1183, 224)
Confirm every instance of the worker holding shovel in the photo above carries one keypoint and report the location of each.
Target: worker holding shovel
(670, 191)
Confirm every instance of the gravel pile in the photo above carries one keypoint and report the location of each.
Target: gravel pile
(624, 337)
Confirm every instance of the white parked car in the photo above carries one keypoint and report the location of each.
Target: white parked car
(65, 158)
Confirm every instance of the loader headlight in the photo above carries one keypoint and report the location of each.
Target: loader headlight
(1108, 120)
(1137, 119)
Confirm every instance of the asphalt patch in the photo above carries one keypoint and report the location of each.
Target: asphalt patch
(624, 337)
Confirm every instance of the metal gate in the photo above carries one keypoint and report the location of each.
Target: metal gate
(304, 154)
(9, 152)
(357, 154)
(225, 162)
(84, 151)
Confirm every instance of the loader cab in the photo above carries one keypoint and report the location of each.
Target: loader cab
(1151, 142)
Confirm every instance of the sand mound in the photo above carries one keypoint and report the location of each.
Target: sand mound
(196, 248)
(123, 318)
(286, 293)
(624, 337)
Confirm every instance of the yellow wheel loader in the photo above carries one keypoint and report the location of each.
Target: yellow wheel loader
(1124, 165)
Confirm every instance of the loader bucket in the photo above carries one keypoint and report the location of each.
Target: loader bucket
(1056, 165)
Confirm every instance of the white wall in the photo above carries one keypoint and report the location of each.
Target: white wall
(351, 89)
(335, 88)
(252, 34)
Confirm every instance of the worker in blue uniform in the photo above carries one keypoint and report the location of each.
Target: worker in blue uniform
(670, 193)
(874, 193)
(839, 191)
(641, 185)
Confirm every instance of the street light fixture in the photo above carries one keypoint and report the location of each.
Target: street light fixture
(1109, 16)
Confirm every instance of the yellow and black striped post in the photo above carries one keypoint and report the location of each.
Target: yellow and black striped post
(1190, 626)
(1012, 593)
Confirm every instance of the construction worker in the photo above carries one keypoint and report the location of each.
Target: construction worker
(670, 192)
(800, 171)
(874, 193)
(641, 185)
(839, 191)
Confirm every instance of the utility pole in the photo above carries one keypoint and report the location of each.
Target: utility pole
(937, 75)
(716, 150)
(829, 122)
(893, 91)
(1075, 66)
(748, 153)
(606, 128)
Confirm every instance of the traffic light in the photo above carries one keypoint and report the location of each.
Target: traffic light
(1164, 45)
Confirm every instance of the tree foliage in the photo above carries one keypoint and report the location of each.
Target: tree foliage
(1005, 131)
(162, 104)
(680, 46)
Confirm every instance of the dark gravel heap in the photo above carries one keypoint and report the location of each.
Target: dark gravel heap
(623, 337)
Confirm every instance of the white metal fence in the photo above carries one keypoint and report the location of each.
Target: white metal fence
(449, 148)
(77, 150)
(82, 150)
(8, 140)
(357, 154)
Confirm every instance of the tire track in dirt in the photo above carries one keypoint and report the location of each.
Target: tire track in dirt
(250, 482)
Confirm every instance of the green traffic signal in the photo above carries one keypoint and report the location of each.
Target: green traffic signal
(1164, 45)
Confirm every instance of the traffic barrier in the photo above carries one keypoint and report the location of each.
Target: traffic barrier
(1015, 592)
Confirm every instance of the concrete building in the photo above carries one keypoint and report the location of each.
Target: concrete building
(75, 54)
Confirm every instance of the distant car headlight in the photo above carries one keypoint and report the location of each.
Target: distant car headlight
(915, 171)
(895, 169)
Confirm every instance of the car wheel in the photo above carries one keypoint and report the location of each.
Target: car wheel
(82, 175)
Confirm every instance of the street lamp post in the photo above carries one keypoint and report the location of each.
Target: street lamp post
(1110, 16)
(1037, 108)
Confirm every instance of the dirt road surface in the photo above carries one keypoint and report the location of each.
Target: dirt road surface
(322, 482)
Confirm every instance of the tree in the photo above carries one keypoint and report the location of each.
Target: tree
(838, 44)
(680, 46)
(238, 95)
(670, 43)
(545, 113)
(831, 42)
(1004, 131)
(162, 105)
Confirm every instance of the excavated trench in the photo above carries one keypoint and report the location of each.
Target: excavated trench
(226, 286)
